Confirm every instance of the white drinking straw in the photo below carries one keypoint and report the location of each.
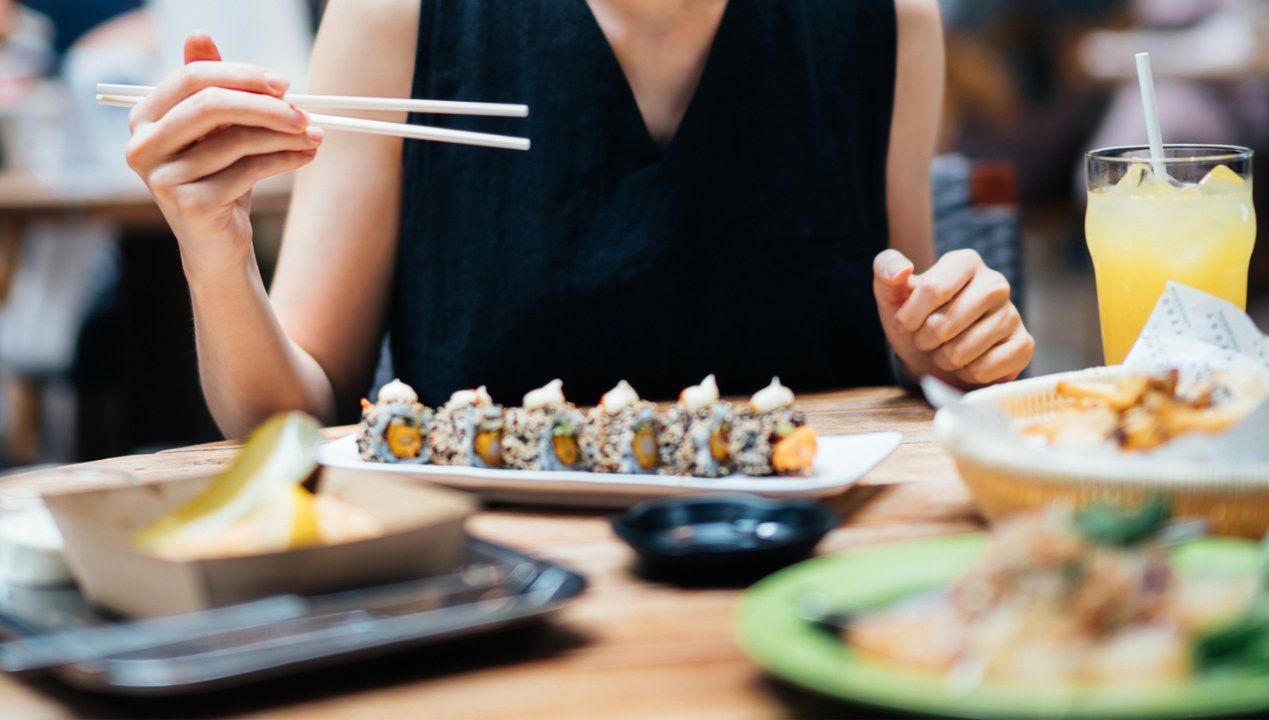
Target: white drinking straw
(1145, 79)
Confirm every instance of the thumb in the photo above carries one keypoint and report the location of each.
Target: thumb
(892, 273)
(200, 46)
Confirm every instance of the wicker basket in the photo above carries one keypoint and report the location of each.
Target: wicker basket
(1006, 478)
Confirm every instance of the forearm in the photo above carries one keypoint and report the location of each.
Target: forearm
(912, 229)
(248, 366)
(203, 139)
(918, 97)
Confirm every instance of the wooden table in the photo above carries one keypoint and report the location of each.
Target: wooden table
(628, 648)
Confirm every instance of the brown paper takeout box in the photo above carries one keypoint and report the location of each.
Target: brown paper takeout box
(423, 534)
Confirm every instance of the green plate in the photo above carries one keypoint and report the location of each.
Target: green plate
(769, 630)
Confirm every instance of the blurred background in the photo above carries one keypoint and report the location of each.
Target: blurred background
(96, 344)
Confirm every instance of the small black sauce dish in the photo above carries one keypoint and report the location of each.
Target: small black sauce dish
(721, 539)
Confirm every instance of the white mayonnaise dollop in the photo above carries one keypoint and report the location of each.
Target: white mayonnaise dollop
(464, 398)
(551, 393)
(771, 397)
(397, 391)
(698, 396)
(619, 398)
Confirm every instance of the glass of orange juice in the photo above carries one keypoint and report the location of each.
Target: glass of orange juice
(1197, 226)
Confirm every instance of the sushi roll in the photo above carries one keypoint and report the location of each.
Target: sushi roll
(769, 435)
(545, 433)
(395, 428)
(468, 431)
(622, 433)
(695, 432)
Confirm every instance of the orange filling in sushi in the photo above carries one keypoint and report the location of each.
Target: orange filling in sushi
(566, 449)
(404, 440)
(645, 448)
(488, 446)
(718, 441)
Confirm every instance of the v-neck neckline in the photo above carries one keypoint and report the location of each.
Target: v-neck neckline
(632, 100)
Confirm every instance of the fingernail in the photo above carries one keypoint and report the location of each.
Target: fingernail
(315, 133)
(276, 82)
(890, 264)
(298, 117)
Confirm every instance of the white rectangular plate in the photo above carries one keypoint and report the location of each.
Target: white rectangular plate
(841, 461)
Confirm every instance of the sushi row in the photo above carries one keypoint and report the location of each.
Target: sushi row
(699, 435)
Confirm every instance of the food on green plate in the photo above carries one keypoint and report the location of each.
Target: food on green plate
(623, 433)
(544, 433)
(1142, 412)
(769, 435)
(1086, 597)
(468, 430)
(258, 504)
(395, 428)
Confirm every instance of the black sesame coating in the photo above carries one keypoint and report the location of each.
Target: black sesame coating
(753, 437)
(609, 438)
(685, 448)
(605, 440)
(527, 438)
(454, 433)
(372, 432)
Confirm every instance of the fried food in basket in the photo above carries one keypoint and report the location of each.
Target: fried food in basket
(1142, 412)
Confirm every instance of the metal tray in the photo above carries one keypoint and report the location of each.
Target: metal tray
(495, 587)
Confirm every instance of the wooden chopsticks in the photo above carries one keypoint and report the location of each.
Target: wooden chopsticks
(129, 95)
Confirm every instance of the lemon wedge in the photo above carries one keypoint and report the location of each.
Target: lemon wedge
(305, 530)
(285, 518)
(1221, 177)
(276, 458)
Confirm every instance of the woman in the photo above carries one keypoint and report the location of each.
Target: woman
(713, 187)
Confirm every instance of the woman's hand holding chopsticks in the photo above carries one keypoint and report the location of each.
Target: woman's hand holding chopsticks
(204, 138)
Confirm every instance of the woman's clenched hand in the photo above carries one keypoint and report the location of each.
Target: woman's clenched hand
(955, 321)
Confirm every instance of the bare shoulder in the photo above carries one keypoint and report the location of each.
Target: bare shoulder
(366, 47)
(373, 16)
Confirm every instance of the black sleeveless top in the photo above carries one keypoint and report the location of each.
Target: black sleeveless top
(744, 248)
